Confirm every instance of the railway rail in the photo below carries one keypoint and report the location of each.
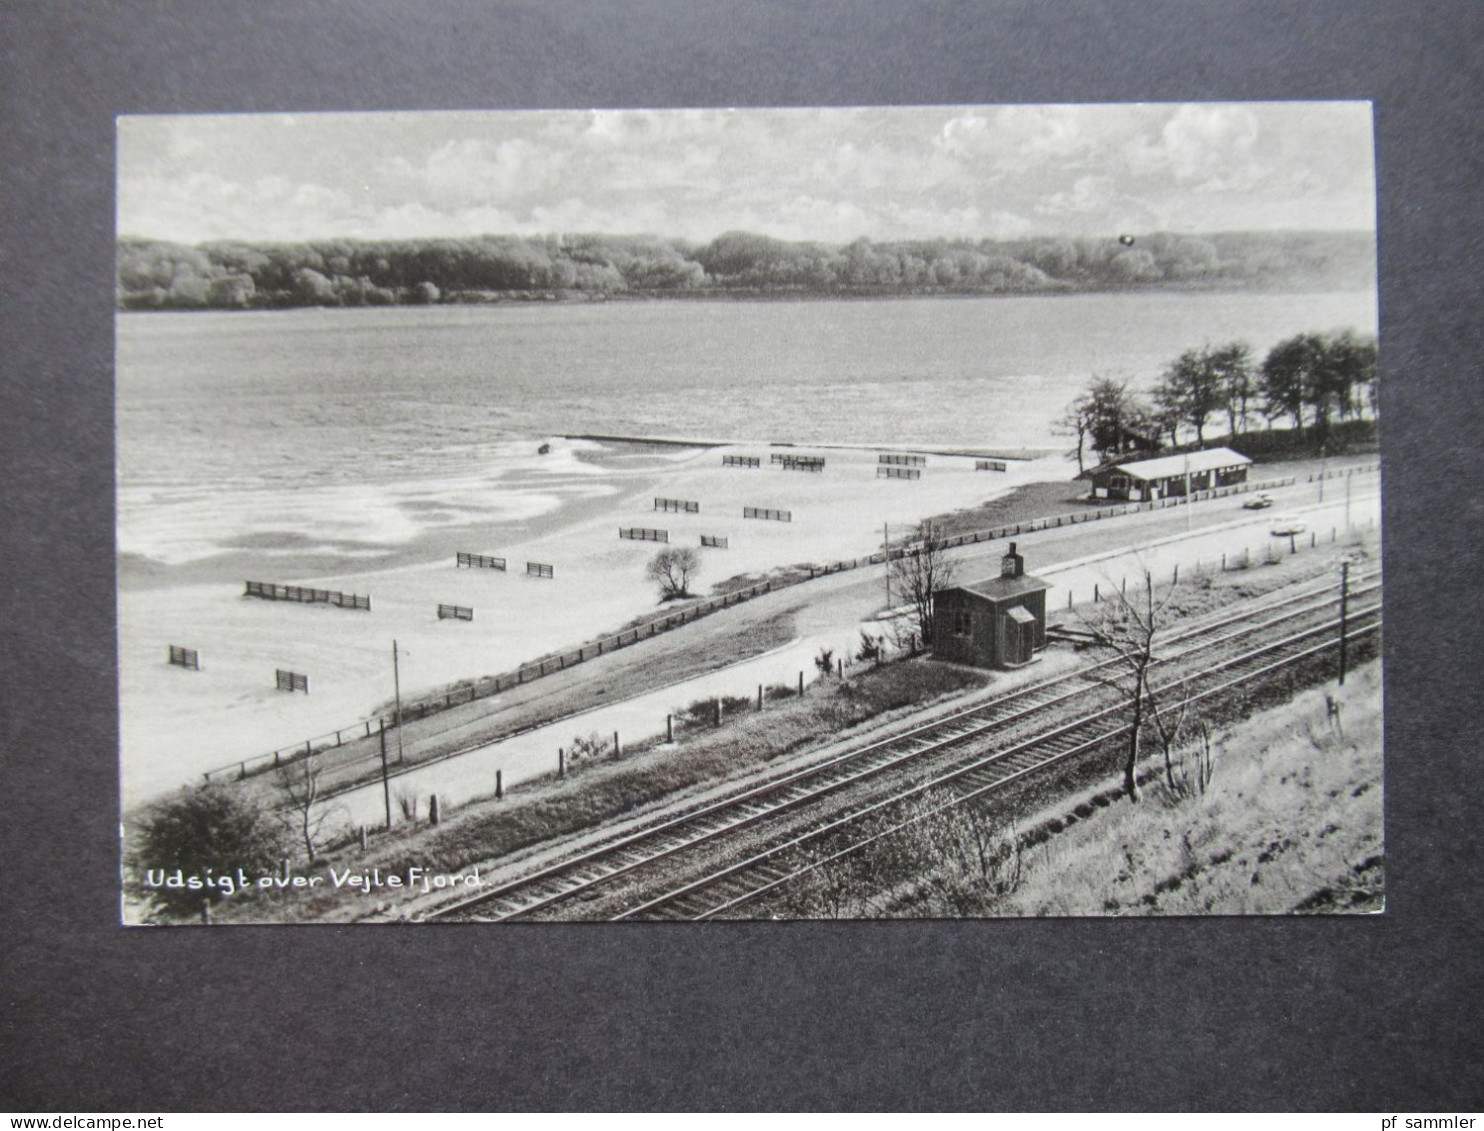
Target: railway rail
(734, 850)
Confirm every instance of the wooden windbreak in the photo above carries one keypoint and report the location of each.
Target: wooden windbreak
(643, 534)
(768, 513)
(270, 592)
(185, 657)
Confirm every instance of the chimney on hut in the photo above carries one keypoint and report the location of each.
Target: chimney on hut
(1012, 564)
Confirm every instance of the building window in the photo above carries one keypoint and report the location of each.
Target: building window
(962, 625)
(1118, 483)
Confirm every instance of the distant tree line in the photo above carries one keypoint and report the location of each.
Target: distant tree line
(229, 275)
(1309, 381)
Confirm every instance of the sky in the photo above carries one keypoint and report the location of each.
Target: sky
(832, 175)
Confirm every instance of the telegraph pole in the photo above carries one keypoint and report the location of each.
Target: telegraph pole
(1187, 492)
(886, 555)
(386, 779)
(1344, 611)
(397, 683)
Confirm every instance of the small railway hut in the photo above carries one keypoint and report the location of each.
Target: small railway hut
(1145, 480)
(996, 623)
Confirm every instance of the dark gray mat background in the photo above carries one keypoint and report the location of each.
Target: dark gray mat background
(1349, 1014)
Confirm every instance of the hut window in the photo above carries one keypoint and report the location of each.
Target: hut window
(962, 626)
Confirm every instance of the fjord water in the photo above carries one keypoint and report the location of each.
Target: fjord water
(254, 429)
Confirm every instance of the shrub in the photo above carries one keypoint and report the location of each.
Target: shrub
(208, 832)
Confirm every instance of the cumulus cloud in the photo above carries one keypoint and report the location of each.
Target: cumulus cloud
(918, 172)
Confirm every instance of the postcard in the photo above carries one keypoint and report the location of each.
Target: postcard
(867, 513)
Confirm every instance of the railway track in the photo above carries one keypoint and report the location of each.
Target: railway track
(718, 856)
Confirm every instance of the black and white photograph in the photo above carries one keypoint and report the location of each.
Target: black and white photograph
(911, 512)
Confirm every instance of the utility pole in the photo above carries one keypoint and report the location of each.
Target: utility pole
(1344, 611)
(386, 778)
(397, 683)
(886, 555)
(1187, 493)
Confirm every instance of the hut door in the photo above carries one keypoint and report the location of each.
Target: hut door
(1020, 636)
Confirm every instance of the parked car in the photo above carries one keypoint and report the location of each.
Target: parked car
(1286, 525)
(1258, 501)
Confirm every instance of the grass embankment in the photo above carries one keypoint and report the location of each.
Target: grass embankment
(600, 789)
(1287, 820)
(1290, 821)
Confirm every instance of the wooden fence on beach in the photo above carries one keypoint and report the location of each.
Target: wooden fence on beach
(989, 465)
(539, 569)
(185, 657)
(292, 681)
(714, 540)
(768, 513)
(741, 461)
(366, 729)
(455, 612)
(477, 561)
(686, 506)
(896, 460)
(271, 592)
(802, 463)
(643, 534)
(885, 472)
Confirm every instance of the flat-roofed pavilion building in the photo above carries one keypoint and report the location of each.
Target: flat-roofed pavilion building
(1145, 480)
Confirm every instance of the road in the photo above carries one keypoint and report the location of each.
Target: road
(829, 613)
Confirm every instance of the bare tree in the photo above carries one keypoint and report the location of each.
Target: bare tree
(1130, 625)
(300, 781)
(923, 568)
(672, 569)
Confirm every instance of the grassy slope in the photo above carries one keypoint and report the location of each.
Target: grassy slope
(1292, 821)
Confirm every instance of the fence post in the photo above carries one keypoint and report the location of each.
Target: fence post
(617, 749)
(1069, 597)
(1223, 563)
(363, 838)
(1123, 586)
(1096, 596)
(801, 683)
(499, 784)
(840, 667)
(1176, 581)
(561, 762)
(759, 697)
(716, 711)
(669, 728)
(433, 813)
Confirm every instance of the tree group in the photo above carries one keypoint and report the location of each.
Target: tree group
(154, 274)
(1309, 380)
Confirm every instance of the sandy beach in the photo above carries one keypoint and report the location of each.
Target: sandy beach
(565, 511)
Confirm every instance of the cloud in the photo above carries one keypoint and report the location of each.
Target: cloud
(827, 174)
(1209, 148)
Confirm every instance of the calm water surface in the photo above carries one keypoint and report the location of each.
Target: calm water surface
(213, 406)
